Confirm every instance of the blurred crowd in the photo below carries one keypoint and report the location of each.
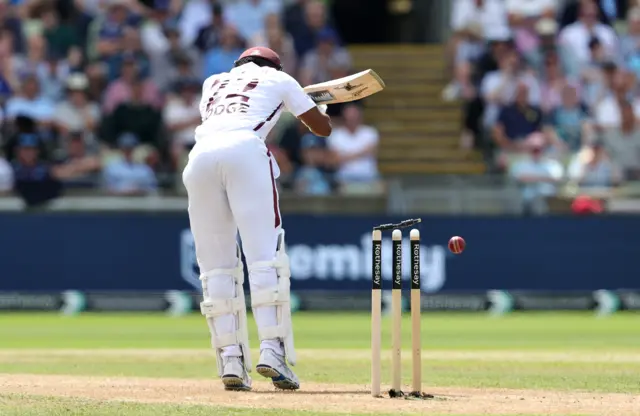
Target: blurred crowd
(550, 90)
(103, 94)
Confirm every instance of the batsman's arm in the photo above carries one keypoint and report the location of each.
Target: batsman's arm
(317, 122)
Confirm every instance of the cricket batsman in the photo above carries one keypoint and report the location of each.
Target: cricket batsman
(230, 181)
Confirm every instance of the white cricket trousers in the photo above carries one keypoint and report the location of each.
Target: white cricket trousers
(231, 187)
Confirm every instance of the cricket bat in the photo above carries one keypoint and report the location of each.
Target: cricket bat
(350, 88)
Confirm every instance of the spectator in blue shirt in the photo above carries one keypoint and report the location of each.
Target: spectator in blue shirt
(220, 59)
(312, 177)
(568, 125)
(126, 177)
(30, 103)
(35, 180)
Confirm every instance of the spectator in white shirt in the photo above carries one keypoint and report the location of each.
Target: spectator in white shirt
(181, 116)
(126, 177)
(354, 147)
(327, 61)
(538, 177)
(490, 15)
(576, 36)
(607, 112)
(6, 177)
(77, 113)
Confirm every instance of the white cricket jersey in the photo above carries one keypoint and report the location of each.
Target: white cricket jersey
(249, 98)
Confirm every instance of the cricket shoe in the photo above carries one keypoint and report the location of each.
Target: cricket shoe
(274, 366)
(234, 375)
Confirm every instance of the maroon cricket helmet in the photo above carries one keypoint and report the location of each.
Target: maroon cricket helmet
(260, 53)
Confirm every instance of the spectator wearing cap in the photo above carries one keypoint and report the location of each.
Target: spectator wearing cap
(29, 102)
(354, 147)
(209, 35)
(126, 176)
(594, 168)
(221, 59)
(327, 61)
(80, 155)
(120, 90)
(139, 118)
(576, 36)
(181, 116)
(312, 178)
(36, 181)
(275, 38)
(537, 175)
(248, 16)
(77, 112)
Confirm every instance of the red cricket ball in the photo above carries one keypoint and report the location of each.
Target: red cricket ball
(457, 244)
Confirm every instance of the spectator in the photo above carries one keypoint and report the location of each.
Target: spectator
(354, 147)
(107, 32)
(623, 144)
(470, 49)
(194, 15)
(499, 87)
(275, 38)
(305, 30)
(537, 176)
(594, 169)
(290, 144)
(137, 117)
(489, 16)
(6, 176)
(607, 112)
(312, 178)
(568, 125)
(553, 83)
(164, 60)
(248, 16)
(120, 90)
(30, 103)
(517, 123)
(77, 113)
(327, 61)
(130, 51)
(523, 18)
(82, 158)
(181, 117)
(630, 43)
(576, 36)
(12, 28)
(222, 58)
(61, 36)
(209, 35)
(127, 177)
(598, 82)
(571, 10)
(36, 181)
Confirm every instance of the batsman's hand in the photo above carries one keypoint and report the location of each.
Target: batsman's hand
(322, 108)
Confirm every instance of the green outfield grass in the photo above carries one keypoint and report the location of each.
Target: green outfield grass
(546, 351)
